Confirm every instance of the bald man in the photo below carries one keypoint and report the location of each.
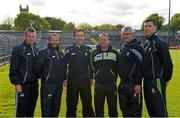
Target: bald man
(130, 71)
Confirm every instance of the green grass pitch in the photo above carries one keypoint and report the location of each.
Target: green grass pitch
(7, 94)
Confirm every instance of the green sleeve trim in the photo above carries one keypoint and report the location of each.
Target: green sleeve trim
(116, 49)
(159, 85)
(91, 59)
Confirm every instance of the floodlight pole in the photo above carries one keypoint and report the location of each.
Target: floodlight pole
(169, 20)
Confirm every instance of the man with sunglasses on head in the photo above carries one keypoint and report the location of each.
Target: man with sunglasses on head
(22, 75)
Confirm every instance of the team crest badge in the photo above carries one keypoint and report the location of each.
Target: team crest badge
(86, 54)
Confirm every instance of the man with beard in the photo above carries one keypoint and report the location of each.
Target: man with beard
(50, 67)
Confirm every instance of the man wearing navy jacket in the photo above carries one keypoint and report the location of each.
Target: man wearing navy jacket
(130, 72)
(22, 76)
(158, 70)
(79, 76)
(51, 68)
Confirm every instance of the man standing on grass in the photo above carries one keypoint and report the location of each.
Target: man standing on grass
(158, 70)
(22, 76)
(130, 72)
(79, 77)
(104, 61)
(50, 66)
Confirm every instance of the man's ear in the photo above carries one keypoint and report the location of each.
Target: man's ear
(24, 37)
(110, 41)
(155, 27)
(133, 33)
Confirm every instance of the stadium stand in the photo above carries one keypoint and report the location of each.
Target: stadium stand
(9, 39)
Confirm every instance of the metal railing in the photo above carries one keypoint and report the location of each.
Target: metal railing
(10, 39)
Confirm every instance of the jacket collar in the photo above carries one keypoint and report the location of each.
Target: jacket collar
(133, 42)
(75, 45)
(153, 36)
(28, 45)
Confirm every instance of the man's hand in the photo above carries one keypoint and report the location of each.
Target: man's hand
(65, 83)
(18, 88)
(137, 89)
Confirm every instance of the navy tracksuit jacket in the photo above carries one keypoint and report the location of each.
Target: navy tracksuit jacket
(79, 75)
(157, 71)
(130, 72)
(51, 68)
(21, 72)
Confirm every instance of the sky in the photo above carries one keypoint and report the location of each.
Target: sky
(93, 12)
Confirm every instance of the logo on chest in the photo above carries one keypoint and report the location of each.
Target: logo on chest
(86, 54)
(73, 54)
(127, 54)
(105, 56)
